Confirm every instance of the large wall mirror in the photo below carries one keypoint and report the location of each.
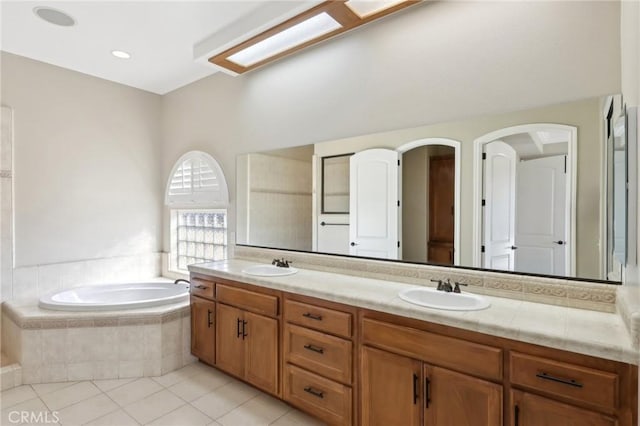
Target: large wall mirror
(539, 191)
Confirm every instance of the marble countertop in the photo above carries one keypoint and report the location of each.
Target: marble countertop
(587, 332)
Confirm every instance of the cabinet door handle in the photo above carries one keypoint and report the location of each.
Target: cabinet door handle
(427, 392)
(415, 389)
(312, 316)
(244, 330)
(201, 287)
(238, 332)
(209, 322)
(313, 348)
(314, 392)
(516, 415)
(570, 382)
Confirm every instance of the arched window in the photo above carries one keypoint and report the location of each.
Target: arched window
(197, 180)
(198, 197)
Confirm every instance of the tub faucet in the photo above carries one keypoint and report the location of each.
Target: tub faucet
(281, 263)
(180, 280)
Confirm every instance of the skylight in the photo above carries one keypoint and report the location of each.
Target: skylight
(364, 8)
(307, 30)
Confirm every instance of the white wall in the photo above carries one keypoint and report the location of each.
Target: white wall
(87, 181)
(432, 63)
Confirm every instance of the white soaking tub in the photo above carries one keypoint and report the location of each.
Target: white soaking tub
(110, 297)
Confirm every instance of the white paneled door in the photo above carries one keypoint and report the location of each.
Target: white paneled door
(374, 204)
(541, 222)
(499, 206)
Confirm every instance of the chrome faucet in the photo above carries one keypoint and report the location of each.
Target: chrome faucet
(281, 263)
(444, 285)
(456, 287)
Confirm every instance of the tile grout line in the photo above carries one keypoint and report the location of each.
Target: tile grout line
(117, 405)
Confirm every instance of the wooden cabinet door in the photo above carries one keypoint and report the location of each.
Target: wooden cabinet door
(229, 343)
(458, 399)
(391, 392)
(203, 331)
(261, 351)
(528, 409)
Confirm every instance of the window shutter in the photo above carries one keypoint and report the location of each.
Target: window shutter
(197, 180)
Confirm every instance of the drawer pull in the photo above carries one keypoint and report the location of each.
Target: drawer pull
(314, 392)
(201, 287)
(312, 316)
(314, 348)
(569, 382)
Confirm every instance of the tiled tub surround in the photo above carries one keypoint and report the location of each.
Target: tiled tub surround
(54, 346)
(553, 291)
(30, 282)
(600, 334)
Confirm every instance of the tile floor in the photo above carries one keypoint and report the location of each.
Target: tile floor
(194, 395)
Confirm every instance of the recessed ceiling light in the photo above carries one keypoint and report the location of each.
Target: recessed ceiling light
(54, 16)
(121, 54)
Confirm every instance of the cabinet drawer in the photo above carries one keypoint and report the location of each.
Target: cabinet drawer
(459, 355)
(566, 380)
(324, 398)
(318, 318)
(250, 300)
(326, 355)
(202, 288)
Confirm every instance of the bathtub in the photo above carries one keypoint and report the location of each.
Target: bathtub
(116, 296)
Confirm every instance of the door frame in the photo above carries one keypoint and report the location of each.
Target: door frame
(456, 208)
(572, 154)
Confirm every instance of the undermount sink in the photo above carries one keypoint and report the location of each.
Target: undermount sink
(269, 271)
(432, 298)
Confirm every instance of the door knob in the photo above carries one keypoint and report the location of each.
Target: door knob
(559, 242)
(514, 248)
(353, 244)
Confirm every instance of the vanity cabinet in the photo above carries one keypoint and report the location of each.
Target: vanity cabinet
(407, 391)
(353, 366)
(247, 346)
(203, 332)
(318, 360)
(532, 410)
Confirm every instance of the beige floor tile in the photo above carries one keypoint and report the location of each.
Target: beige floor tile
(183, 416)
(87, 410)
(34, 410)
(134, 391)
(177, 376)
(224, 399)
(116, 418)
(11, 397)
(153, 406)
(200, 384)
(44, 388)
(70, 395)
(296, 418)
(260, 411)
(110, 384)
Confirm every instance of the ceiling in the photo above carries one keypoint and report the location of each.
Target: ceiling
(169, 41)
(543, 143)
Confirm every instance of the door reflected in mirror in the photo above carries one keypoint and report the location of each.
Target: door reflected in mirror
(527, 203)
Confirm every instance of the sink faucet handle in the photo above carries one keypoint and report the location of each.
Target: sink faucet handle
(439, 282)
(456, 288)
